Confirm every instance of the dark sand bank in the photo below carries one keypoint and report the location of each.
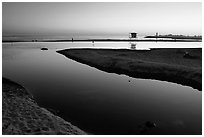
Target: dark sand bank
(22, 115)
(160, 64)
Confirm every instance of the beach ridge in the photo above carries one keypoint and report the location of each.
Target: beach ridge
(22, 115)
(160, 64)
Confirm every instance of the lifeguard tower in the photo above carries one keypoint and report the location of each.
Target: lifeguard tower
(132, 35)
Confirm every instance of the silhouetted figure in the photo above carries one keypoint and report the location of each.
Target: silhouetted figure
(156, 36)
(72, 39)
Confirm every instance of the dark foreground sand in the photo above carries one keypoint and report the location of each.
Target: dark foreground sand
(160, 64)
(21, 114)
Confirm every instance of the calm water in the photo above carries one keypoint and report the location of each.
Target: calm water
(100, 102)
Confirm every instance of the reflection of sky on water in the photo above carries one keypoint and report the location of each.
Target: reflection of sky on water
(115, 45)
(96, 101)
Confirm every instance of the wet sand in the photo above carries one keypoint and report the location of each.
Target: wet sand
(21, 114)
(169, 64)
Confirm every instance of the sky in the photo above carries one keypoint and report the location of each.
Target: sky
(116, 18)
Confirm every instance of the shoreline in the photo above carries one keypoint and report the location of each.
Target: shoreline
(105, 40)
(160, 64)
(21, 115)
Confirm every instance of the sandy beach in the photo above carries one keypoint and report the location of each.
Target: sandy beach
(22, 115)
(178, 65)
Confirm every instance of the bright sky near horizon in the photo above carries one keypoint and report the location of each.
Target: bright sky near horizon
(116, 18)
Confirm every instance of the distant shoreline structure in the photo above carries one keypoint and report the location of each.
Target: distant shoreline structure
(171, 36)
(108, 40)
(133, 37)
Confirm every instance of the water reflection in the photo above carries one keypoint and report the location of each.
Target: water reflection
(133, 45)
(99, 102)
